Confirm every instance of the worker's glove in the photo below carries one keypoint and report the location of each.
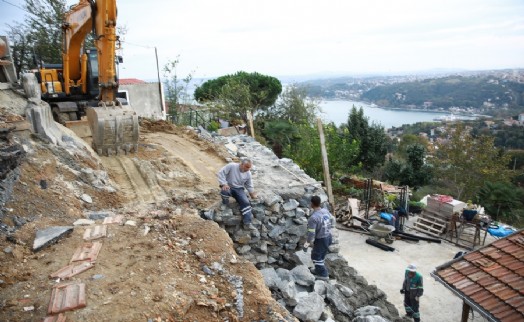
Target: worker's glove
(416, 298)
(402, 291)
(306, 246)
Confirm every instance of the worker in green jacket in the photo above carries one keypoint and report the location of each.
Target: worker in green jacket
(412, 289)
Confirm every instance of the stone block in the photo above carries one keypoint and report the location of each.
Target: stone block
(367, 310)
(303, 258)
(309, 308)
(270, 277)
(285, 274)
(338, 300)
(303, 276)
(297, 230)
(300, 213)
(369, 318)
(345, 290)
(320, 287)
(290, 214)
(288, 291)
(275, 232)
(291, 204)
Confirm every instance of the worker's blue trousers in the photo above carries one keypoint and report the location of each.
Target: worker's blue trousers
(319, 252)
(243, 202)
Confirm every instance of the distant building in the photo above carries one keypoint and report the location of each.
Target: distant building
(521, 118)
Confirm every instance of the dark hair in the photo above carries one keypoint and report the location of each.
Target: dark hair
(315, 201)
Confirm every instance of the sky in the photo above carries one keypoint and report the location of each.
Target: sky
(312, 37)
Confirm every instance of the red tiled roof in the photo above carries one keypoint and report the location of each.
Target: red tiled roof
(491, 278)
(130, 81)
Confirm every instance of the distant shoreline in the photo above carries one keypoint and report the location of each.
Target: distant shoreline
(373, 105)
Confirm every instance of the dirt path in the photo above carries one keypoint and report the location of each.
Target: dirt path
(131, 181)
(200, 159)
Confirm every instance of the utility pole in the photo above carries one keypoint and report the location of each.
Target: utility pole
(162, 109)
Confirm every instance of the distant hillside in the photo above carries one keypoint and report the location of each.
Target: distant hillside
(494, 92)
(452, 91)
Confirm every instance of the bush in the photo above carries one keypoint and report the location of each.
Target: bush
(213, 126)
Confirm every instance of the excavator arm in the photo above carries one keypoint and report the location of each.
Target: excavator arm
(113, 127)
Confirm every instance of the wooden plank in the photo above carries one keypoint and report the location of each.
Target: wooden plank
(426, 232)
(325, 163)
(422, 226)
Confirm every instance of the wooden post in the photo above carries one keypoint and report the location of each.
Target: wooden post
(250, 119)
(325, 164)
(465, 311)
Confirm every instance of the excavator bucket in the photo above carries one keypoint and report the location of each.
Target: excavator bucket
(114, 129)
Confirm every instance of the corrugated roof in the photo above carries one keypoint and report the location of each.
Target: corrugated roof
(490, 279)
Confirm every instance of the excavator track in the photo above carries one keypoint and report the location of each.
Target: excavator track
(114, 129)
(132, 182)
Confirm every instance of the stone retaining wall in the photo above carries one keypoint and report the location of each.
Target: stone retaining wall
(280, 216)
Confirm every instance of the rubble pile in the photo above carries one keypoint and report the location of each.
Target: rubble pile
(280, 215)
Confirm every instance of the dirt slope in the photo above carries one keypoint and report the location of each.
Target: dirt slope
(138, 276)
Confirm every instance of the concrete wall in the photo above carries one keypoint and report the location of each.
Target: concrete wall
(145, 99)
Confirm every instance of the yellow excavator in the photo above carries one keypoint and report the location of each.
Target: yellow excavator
(86, 83)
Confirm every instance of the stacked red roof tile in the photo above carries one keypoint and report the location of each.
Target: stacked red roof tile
(491, 277)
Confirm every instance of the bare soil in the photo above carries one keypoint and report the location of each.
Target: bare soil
(147, 271)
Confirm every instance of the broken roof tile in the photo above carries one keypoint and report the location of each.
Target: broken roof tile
(72, 270)
(113, 220)
(56, 318)
(67, 297)
(95, 232)
(87, 252)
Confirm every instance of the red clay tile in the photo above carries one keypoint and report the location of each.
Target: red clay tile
(502, 243)
(516, 302)
(446, 272)
(510, 278)
(512, 249)
(473, 256)
(501, 309)
(491, 303)
(486, 281)
(496, 288)
(472, 289)
(463, 284)
(72, 270)
(95, 232)
(483, 262)
(113, 220)
(454, 278)
(57, 318)
(478, 275)
(470, 270)
(460, 265)
(491, 267)
(507, 294)
(67, 297)
(88, 251)
(513, 317)
(481, 296)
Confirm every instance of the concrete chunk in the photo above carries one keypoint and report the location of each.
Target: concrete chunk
(49, 236)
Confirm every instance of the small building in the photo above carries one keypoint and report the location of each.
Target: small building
(147, 99)
(521, 118)
(489, 280)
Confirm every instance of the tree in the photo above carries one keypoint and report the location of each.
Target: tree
(463, 163)
(279, 133)
(176, 88)
(304, 149)
(413, 172)
(40, 33)
(240, 93)
(294, 106)
(501, 200)
(372, 139)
